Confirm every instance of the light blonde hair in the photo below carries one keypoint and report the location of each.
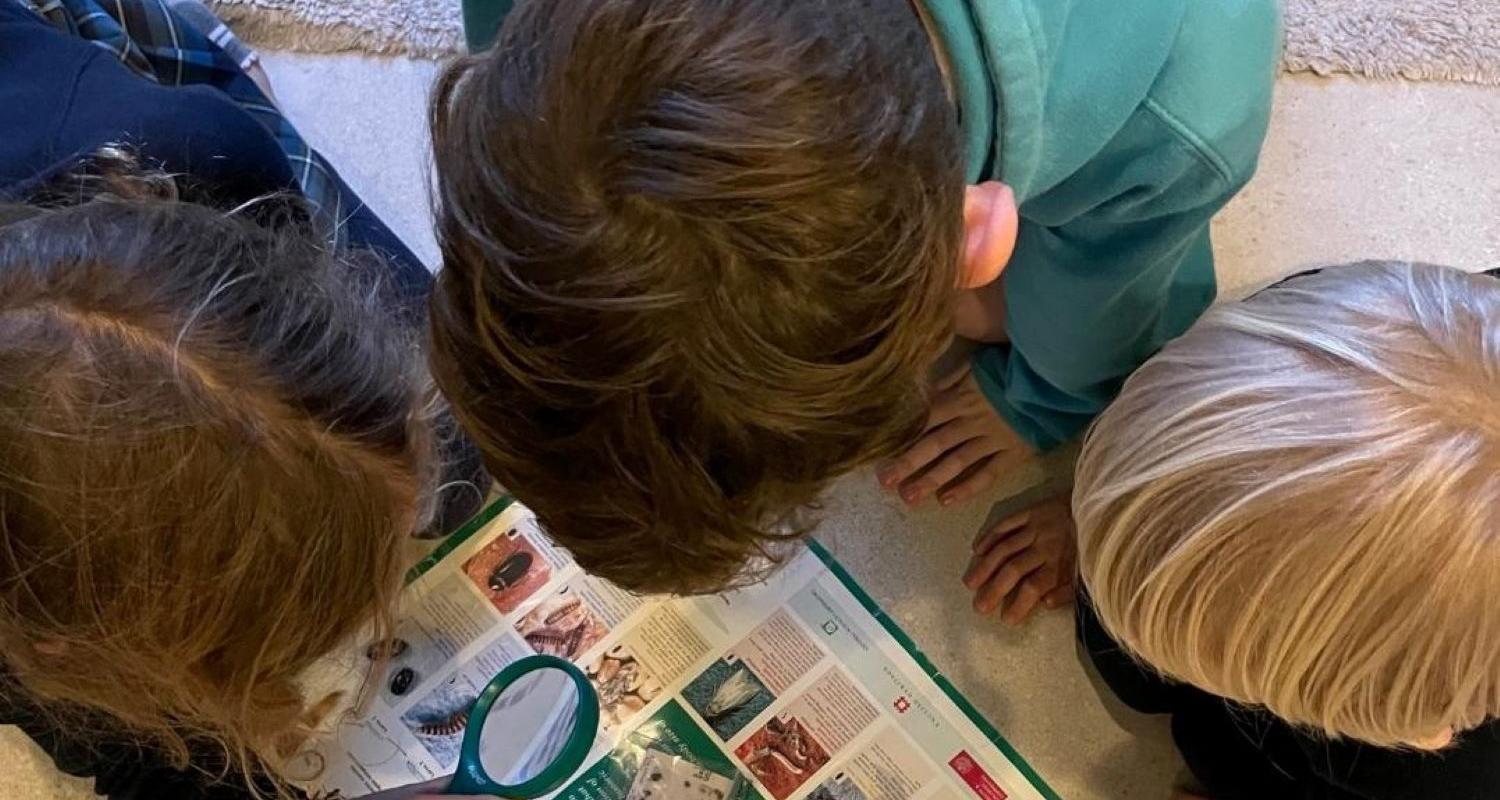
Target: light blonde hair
(1296, 505)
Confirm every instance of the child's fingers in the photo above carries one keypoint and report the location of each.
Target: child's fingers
(927, 449)
(954, 400)
(954, 464)
(944, 407)
(952, 379)
(972, 486)
(1061, 597)
(984, 569)
(430, 790)
(1006, 579)
(982, 565)
(1028, 595)
(984, 541)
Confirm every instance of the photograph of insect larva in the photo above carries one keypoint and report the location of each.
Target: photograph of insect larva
(562, 626)
(438, 721)
(624, 685)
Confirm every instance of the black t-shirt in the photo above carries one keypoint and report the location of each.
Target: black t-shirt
(1247, 754)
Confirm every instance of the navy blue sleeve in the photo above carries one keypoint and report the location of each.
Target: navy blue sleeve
(62, 98)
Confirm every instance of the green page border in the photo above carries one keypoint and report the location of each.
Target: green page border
(979, 720)
(498, 507)
(458, 537)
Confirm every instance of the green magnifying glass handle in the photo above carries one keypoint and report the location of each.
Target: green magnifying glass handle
(471, 776)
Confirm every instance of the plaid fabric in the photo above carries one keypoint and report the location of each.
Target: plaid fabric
(160, 43)
(207, 23)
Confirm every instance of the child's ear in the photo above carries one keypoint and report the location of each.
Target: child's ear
(990, 225)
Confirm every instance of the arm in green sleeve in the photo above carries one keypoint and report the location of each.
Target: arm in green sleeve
(482, 20)
(1091, 298)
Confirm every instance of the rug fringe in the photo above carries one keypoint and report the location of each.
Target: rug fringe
(1325, 38)
(1417, 72)
(274, 29)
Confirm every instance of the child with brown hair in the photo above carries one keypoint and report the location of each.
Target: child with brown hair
(213, 448)
(700, 255)
(1288, 537)
(215, 432)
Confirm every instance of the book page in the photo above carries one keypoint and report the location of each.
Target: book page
(796, 688)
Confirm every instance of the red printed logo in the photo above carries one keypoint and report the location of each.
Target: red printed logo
(902, 705)
(980, 781)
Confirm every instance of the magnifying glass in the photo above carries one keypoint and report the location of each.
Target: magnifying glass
(528, 732)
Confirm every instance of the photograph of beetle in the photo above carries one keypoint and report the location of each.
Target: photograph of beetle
(508, 571)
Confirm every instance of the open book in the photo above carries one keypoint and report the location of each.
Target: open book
(796, 688)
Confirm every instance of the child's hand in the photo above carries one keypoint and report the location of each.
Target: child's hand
(966, 447)
(424, 791)
(1025, 561)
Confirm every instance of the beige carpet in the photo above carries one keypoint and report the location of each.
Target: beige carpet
(1415, 39)
(421, 28)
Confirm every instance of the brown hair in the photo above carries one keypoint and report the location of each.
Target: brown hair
(1294, 505)
(698, 255)
(212, 442)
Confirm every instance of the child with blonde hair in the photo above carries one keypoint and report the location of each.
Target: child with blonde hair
(1289, 538)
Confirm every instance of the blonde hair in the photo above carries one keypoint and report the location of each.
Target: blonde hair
(1295, 506)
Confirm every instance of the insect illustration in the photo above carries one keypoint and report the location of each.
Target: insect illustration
(782, 744)
(511, 571)
(734, 693)
(389, 648)
(402, 680)
(453, 725)
(556, 641)
(624, 687)
(563, 626)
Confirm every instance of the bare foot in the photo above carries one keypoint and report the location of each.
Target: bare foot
(1026, 561)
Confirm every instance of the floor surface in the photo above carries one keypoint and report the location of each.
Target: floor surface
(1353, 170)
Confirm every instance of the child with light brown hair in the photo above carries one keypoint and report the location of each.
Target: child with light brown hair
(700, 256)
(211, 450)
(1289, 538)
(216, 427)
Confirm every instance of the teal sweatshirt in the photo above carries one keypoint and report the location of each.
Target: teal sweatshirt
(1123, 126)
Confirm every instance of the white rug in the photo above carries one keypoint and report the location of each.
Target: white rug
(1455, 40)
(421, 28)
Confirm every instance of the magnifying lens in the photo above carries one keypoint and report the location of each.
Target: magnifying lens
(528, 732)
